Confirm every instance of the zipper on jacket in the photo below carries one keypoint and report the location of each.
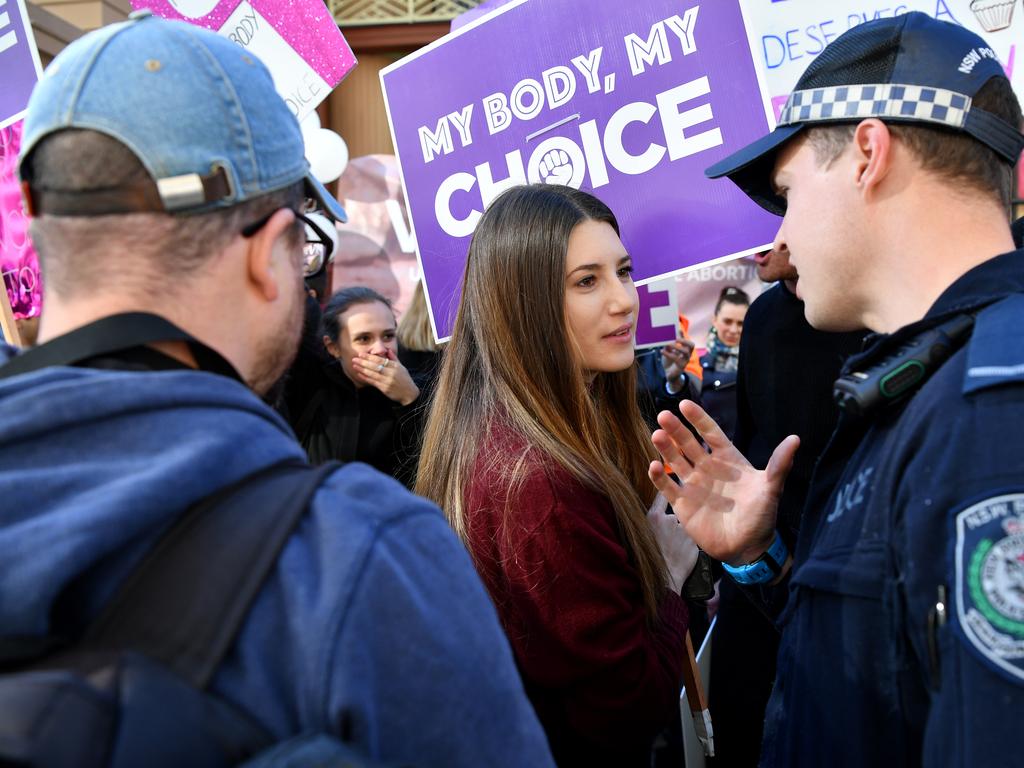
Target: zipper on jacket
(936, 621)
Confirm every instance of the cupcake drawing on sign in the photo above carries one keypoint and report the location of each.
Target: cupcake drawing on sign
(993, 15)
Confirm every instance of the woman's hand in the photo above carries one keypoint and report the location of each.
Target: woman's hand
(389, 376)
(678, 549)
(725, 504)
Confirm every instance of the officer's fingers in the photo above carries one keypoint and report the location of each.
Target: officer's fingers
(665, 485)
(670, 453)
(782, 461)
(676, 445)
(705, 425)
(682, 434)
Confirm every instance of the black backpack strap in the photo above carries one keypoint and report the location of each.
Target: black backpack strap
(109, 335)
(185, 604)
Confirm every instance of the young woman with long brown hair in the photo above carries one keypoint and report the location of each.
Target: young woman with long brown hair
(537, 452)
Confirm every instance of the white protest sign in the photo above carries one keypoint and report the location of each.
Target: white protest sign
(786, 35)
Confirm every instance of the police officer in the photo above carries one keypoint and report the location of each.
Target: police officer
(903, 635)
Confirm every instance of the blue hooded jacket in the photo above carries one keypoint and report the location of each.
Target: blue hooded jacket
(374, 624)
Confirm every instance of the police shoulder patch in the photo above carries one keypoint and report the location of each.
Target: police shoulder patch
(989, 595)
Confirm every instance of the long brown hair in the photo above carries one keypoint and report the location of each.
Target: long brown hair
(414, 326)
(511, 359)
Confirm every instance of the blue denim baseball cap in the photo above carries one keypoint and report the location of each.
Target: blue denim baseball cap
(906, 69)
(200, 113)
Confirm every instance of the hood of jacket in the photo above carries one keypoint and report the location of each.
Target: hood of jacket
(94, 464)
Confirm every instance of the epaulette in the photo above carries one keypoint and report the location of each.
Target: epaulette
(995, 352)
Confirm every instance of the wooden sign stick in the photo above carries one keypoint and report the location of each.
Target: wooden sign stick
(697, 700)
(10, 328)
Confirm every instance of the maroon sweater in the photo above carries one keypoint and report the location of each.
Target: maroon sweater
(603, 682)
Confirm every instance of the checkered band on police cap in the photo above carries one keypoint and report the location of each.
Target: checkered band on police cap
(896, 101)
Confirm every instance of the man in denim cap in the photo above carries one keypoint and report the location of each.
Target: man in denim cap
(903, 635)
(167, 183)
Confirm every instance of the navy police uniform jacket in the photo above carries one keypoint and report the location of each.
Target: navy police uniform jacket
(903, 636)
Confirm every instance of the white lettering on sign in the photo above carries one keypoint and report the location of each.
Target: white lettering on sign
(437, 141)
(443, 210)
(527, 99)
(498, 115)
(461, 122)
(7, 39)
(564, 160)
(719, 272)
(297, 83)
(559, 85)
(588, 65)
(652, 51)
(556, 86)
(655, 49)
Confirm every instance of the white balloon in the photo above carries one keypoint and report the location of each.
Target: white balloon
(194, 9)
(310, 123)
(327, 154)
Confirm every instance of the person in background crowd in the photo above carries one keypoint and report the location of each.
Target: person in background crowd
(691, 366)
(783, 387)
(903, 635)
(663, 381)
(373, 626)
(361, 401)
(318, 255)
(720, 362)
(537, 452)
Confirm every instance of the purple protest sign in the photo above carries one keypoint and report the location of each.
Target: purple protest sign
(297, 39)
(632, 104)
(19, 61)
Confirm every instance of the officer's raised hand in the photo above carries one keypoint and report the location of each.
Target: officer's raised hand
(726, 505)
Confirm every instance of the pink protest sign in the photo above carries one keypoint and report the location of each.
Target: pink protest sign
(18, 261)
(297, 40)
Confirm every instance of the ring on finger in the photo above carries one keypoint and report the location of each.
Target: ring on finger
(380, 367)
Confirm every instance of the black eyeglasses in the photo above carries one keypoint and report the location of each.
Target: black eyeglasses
(315, 252)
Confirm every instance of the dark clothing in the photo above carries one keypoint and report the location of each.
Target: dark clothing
(718, 394)
(423, 365)
(347, 423)
(425, 368)
(602, 679)
(334, 419)
(783, 387)
(903, 637)
(652, 395)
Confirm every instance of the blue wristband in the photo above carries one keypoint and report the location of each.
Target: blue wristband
(766, 568)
